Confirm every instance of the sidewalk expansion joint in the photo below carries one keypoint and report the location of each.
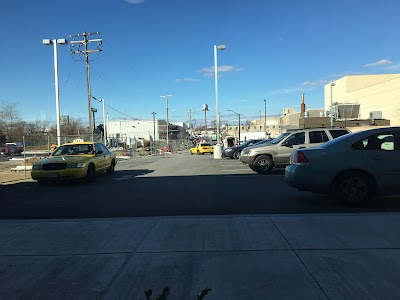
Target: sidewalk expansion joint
(299, 258)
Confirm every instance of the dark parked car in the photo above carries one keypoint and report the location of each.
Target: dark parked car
(234, 152)
(11, 148)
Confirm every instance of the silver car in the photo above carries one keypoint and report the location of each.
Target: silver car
(262, 159)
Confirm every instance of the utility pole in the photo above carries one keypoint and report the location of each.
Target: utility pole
(190, 122)
(83, 48)
(166, 99)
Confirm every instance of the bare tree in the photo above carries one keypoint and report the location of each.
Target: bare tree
(9, 116)
(72, 127)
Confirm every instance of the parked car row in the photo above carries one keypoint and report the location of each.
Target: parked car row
(276, 154)
(352, 166)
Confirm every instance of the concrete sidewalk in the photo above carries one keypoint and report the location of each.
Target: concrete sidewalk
(341, 256)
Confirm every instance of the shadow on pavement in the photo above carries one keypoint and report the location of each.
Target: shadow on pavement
(137, 193)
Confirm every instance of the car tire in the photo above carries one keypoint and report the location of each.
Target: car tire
(354, 188)
(263, 164)
(90, 173)
(191, 153)
(202, 153)
(236, 155)
(111, 169)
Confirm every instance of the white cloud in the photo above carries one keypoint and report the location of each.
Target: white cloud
(381, 62)
(315, 83)
(221, 69)
(186, 79)
(286, 91)
(393, 67)
(134, 1)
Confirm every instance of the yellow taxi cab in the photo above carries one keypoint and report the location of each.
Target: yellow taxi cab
(202, 148)
(75, 160)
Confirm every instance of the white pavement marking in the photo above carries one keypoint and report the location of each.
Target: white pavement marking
(125, 177)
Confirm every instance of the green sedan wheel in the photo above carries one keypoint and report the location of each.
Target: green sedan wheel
(354, 188)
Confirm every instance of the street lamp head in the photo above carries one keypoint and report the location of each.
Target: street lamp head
(47, 42)
(165, 96)
(221, 47)
(62, 41)
(333, 84)
(94, 109)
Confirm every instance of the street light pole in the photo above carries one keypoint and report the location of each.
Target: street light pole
(217, 47)
(54, 43)
(154, 132)
(239, 120)
(332, 85)
(104, 120)
(166, 98)
(104, 123)
(265, 115)
(94, 121)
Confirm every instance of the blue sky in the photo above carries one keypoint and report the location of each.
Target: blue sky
(276, 50)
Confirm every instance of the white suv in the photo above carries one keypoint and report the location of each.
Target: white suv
(276, 154)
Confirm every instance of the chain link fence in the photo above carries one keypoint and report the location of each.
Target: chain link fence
(17, 166)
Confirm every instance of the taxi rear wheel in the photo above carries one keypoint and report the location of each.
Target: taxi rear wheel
(111, 169)
(90, 173)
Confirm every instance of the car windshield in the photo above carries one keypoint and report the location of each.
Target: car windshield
(73, 149)
(280, 138)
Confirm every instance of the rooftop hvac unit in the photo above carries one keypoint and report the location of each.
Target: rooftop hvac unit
(375, 115)
(344, 111)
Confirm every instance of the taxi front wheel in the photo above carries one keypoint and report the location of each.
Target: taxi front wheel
(111, 169)
(90, 173)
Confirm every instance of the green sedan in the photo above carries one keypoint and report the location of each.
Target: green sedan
(354, 167)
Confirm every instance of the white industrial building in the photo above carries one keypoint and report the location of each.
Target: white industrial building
(138, 129)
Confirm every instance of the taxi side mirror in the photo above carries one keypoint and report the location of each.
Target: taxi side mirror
(99, 152)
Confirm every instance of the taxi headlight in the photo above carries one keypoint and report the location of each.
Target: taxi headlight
(228, 150)
(76, 165)
(36, 167)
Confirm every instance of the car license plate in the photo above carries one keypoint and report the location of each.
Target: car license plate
(52, 175)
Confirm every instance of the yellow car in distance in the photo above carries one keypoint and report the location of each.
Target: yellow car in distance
(77, 160)
(202, 148)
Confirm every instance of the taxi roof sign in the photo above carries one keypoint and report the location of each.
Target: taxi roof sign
(78, 141)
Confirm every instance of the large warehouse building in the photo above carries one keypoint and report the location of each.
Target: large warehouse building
(368, 96)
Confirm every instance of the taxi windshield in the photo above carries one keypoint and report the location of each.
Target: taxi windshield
(74, 149)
